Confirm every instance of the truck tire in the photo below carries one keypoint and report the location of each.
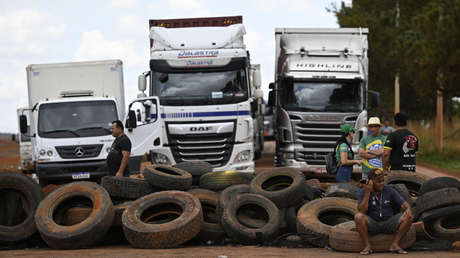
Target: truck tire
(19, 194)
(437, 199)
(244, 234)
(156, 232)
(227, 196)
(83, 234)
(343, 190)
(291, 216)
(439, 183)
(126, 187)
(211, 230)
(76, 215)
(412, 180)
(119, 209)
(404, 192)
(284, 187)
(195, 168)
(429, 217)
(167, 177)
(344, 237)
(218, 181)
(447, 228)
(309, 217)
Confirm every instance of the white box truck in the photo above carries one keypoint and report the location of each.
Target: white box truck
(209, 93)
(321, 78)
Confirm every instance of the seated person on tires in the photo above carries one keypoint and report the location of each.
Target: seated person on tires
(376, 205)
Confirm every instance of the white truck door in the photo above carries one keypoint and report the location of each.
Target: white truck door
(143, 125)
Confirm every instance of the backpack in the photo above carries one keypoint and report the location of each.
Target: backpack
(331, 159)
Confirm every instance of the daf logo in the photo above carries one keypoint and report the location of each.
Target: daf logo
(200, 128)
(79, 152)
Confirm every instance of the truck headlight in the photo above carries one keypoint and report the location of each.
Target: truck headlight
(49, 153)
(42, 152)
(158, 158)
(243, 156)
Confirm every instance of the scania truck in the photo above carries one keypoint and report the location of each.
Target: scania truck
(209, 93)
(321, 82)
(71, 108)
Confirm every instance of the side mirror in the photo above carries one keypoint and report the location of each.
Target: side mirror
(132, 120)
(256, 79)
(258, 94)
(23, 124)
(271, 86)
(374, 98)
(271, 99)
(142, 83)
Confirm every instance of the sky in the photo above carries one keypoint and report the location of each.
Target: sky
(37, 32)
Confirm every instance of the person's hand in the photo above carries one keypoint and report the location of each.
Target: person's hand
(358, 162)
(119, 173)
(408, 214)
(369, 186)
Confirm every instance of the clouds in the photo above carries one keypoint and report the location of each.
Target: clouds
(122, 3)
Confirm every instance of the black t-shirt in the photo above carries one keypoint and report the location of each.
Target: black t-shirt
(403, 145)
(115, 155)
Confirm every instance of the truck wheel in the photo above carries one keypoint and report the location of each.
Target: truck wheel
(126, 187)
(195, 168)
(227, 196)
(429, 217)
(310, 217)
(344, 237)
(20, 197)
(162, 220)
(80, 235)
(404, 192)
(284, 186)
(167, 177)
(291, 216)
(218, 181)
(119, 209)
(412, 180)
(343, 190)
(211, 230)
(265, 209)
(447, 228)
(436, 199)
(439, 183)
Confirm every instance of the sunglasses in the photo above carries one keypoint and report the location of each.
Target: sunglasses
(374, 126)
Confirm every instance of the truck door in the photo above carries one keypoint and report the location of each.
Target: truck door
(143, 125)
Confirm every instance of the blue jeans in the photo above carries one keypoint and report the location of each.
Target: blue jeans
(344, 174)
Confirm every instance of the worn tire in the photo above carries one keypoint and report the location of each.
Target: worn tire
(404, 192)
(163, 234)
(439, 183)
(247, 235)
(119, 209)
(291, 216)
(126, 187)
(309, 223)
(284, 187)
(167, 177)
(447, 228)
(344, 190)
(211, 230)
(437, 199)
(344, 237)
(430, 216)
(31, 194)
(412, 180)
(227, 195)
(195, 168)
(218, 181)
(76, 215)
(80, 235)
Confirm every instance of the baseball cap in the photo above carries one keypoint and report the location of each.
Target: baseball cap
(346, 128)
(374, 173)
(374, 121)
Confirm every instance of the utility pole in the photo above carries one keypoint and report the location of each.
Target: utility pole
(397, 109)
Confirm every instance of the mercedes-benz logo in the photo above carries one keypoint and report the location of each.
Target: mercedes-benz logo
(79, 152)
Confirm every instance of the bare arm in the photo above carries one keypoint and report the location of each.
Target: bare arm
(364, 205)
(124, 163)
(378, 152)
(407, 211)
(366, 154)
(346, 162)
(386, 158)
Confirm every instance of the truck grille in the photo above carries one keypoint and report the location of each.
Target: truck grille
(317, 140)
(213, 148)
(79, 151)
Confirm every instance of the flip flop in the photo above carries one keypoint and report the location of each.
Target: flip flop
(367, 252)
(398, 251)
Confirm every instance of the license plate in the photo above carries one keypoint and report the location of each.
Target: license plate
(320, 170)
(81, 175)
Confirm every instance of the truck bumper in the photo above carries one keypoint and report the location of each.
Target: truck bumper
(303, 166)
(62, 171)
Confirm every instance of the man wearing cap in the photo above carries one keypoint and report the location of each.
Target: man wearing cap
(344, 154)
(376, 205)
(371, 147)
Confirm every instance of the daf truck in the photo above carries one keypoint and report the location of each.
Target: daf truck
(321, 82)
(71, 108)
(209, 92)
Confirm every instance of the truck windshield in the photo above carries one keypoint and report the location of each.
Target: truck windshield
(76, 119)
(201, 88)
(317, 96)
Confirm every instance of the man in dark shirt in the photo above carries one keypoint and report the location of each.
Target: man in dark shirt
(377, 204)
(118, 157)
(400, 147)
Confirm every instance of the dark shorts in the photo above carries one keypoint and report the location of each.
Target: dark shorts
(389, 226)
(344, 174)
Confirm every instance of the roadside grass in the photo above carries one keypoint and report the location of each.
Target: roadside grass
(449, 157)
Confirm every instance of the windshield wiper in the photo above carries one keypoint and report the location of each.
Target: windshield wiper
(93, 127)
(62, 131)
